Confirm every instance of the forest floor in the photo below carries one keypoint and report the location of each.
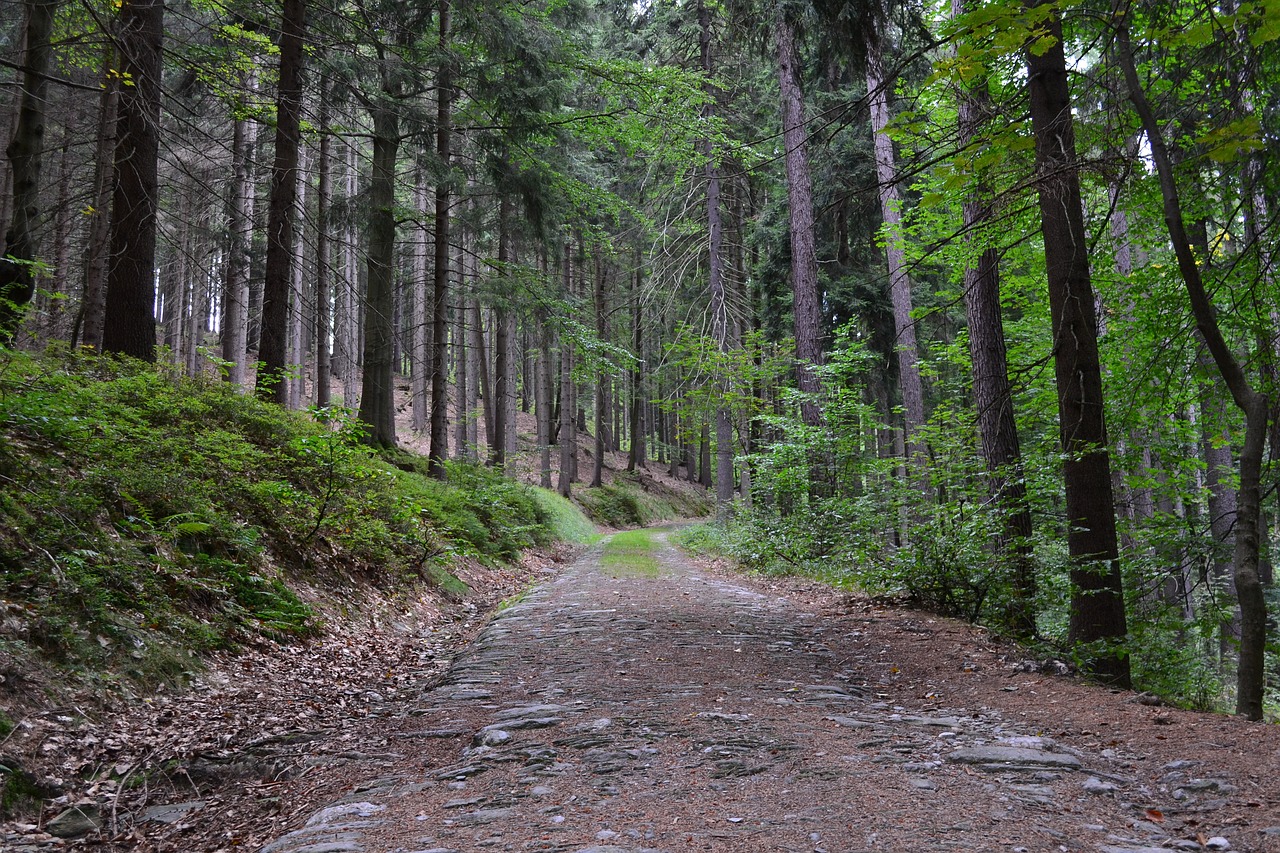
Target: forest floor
(642, 701)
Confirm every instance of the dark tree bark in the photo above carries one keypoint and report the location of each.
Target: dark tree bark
(1097, 603)
(324, 276)
(377, 406)
(94, 303)
(439, 449)
(481, 361)
(1250, 674)
(273, 338)
(602, 381)
(543, 404)
(26, 154)
(567, 438)
(715, 280)
(465, 383)
(635, 457)
(422, 322)
(807, 310)
(295, 349)
(235, 297)
(992, 395)
(130, 326)
(502, 356)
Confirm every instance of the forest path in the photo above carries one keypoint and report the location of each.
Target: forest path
(637, 702)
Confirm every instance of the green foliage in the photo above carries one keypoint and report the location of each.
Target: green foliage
(146, 518)
(565, 518)
(632, 502)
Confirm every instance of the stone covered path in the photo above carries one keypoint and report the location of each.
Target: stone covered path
(637, 703)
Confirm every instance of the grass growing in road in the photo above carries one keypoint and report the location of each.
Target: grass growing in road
(631, 553)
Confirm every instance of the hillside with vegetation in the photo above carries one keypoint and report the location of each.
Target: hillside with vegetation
(149, 519)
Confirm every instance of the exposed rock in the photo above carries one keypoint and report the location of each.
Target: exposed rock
(1013, 755)
(173, 812)
(75, 822)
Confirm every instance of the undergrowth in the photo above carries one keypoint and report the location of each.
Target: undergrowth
(630, 501)
(147, 518)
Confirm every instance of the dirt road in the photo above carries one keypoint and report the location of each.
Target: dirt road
(637, 702)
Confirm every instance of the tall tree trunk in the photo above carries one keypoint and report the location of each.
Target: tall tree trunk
(807, 309)
(26, 153)
(904, 325)
(715, 279)
(93, 305)
(423, 317)
(377, 406)
(439, 449)
(1250, 675)
(349, 289)
(273, 337)
(465, 384)
(501, 347)
(635, 456)
(324, 276)
(235, 294)
(129, 316)
(296, 356)
(602, 380)
(543, 405)
(485, 384)
(992, 394)
(567, 438)
(1097, 604)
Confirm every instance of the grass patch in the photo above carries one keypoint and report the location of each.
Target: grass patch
(631, 554)
(566, 519)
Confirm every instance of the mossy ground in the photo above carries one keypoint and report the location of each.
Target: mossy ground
(148, 518)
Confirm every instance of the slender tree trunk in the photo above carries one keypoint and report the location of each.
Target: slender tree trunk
(377, 405)
(807, 309)
(297, 354)
(439, 450)
(501, 347)
(1097, 606)
(129, 317)
(567, 438)
(93, 306)
(992, 394)
(482, 370)
(54, 308)
(324, 276)
(423, 316)
(1250, 675)
(635, 457)
(26, 153)
(904, 325)
(273, 337)
(350, 294)
(465, 385)
(602, 380)
(543, 405)
(235, 294)
(715, 280)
